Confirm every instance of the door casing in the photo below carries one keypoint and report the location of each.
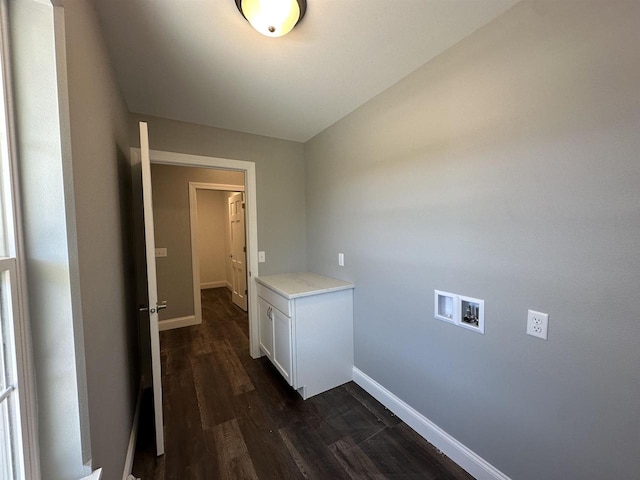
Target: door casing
(249, 169)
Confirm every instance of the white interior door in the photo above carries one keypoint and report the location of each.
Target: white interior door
(238, 250)
(152, 286)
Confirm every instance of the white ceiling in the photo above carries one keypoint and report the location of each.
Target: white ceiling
(200, 61)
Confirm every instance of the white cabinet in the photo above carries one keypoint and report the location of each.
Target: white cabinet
(306, 329)
(266, 327)
(282, 344)
(275, 337)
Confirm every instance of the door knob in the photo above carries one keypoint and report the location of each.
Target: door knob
(159, 306)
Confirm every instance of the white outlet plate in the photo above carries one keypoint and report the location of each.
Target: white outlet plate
(261, 257)
(445, 307)
(537, 324)
(161, 252)
(341, 259)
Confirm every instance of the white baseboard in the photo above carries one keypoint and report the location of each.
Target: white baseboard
(205, 285)
(452, 448)
(131, 449)
(179, 322)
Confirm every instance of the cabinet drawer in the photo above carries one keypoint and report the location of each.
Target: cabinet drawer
(275, 299)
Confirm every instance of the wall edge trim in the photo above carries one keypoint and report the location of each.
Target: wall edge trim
(452, 448)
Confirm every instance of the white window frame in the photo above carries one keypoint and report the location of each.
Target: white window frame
(12, 268)
(10, 391)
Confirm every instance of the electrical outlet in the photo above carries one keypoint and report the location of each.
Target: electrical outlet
(537, 324)
(341, 259)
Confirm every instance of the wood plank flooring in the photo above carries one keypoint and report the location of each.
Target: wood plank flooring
(228, 416)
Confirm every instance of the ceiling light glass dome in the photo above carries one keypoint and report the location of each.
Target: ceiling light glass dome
(273, 18)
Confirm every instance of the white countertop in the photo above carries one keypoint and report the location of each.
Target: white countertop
(302, 284)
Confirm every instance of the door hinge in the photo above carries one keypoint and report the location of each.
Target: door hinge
(246, 292)
(244, 249)
(242, 204)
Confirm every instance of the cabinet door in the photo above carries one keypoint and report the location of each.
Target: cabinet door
(282, 346)
(266, 327)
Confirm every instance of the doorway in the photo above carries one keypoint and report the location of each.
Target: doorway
(141, 159)
(248, 170)
(218, 240)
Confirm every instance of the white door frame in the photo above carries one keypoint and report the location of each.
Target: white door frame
(249, 169)
(195, 253)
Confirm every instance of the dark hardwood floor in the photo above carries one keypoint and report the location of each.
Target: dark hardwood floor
(228, 416)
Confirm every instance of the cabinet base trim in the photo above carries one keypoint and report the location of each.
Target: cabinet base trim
(452, 448)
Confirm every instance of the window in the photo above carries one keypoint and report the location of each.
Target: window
(11, 454)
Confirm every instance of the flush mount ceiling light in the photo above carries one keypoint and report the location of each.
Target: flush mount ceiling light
(273, 18)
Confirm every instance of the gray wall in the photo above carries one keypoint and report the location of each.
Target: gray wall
(505, 169)
(212, 250)
(170, 185)
(279, 177)
(102, 186)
